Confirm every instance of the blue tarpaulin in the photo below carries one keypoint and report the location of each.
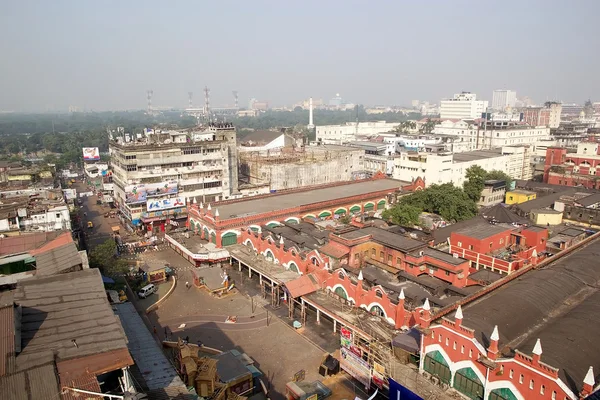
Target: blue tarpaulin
(106, 279)
(399, 392)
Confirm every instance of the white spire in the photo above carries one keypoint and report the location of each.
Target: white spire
(401, 296)
(209, 207)
(589, 377)
(537, 349)
(495, 336)
(360, 275)
(196, 202)
(201, 204)
(310, 114)
(459, 314)
(216, 212)
(426, 306)
(281, 240)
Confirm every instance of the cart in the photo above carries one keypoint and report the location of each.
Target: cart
(90, 225)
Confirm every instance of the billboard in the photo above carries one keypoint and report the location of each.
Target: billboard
(141, 193)
(355, 366)
(164, 204)
(91, 154)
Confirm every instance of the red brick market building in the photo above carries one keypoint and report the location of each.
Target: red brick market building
(222, 222)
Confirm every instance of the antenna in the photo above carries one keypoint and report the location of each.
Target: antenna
(206, 101)
(190, 96)
(235, 96)
(149, 94)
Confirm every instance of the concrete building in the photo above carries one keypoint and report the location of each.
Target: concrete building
(493, 193)
(295, 167)
(574, 169)
(463, 106)
(451, 168)
(503, 99)
(548, 115)
(339, 134)
(156, 175)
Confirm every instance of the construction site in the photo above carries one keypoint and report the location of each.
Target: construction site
(294, 167)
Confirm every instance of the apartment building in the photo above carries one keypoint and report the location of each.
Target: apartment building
(157, 175)
(462, 106)
(449, 167)
(339, 134)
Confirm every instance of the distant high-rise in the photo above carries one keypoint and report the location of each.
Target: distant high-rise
(311, 125)
(337, 101)
(463, 106)
(503, 99)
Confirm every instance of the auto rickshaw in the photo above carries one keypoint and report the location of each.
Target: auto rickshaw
(90, 225)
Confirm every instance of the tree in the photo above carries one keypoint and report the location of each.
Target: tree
(405, 127)
(428, 126)
(104, 257)
(476, 177)
(500, 176)
(447, 200)
(402, 214)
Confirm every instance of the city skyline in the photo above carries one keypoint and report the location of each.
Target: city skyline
(95, 57)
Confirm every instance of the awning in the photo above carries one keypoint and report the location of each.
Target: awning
(106, 279)
(409, 341)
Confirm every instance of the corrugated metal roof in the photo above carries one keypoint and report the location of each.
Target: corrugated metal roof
(38, 383)
(301, 286)
(85, 382)
(57, 260)
(26, 242)
(7, 333)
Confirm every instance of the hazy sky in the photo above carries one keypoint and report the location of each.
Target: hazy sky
(104, 55)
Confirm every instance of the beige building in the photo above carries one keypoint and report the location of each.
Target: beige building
(294, 167)
(156, 175)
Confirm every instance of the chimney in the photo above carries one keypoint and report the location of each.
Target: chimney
(426, 314)
(588, 383)
(492, 351)
(537, 352)
(458, 316)
(310, 114)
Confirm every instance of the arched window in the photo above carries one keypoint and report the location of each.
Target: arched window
(376, 310)
(341, 275)
(378, 293)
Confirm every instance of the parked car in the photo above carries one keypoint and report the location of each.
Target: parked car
(147, 291)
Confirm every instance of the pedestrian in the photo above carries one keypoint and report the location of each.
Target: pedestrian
(200, 343)
(187, 339)
(187, 285)
(166, 333)
(155, 330)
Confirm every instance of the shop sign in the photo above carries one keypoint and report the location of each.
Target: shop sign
(164, 204)
(357, 367)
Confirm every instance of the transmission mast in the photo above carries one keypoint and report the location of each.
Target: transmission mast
(190, 96)
(235, 97)
(149, 94)
(206, 102)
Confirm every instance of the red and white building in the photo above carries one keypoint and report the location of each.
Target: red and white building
(520, 340)
(574, 169)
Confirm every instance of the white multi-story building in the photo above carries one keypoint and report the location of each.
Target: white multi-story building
(154, 177)
(463, 106)
(338, 134)
(503, 99)
(493, 134)
(451, 168)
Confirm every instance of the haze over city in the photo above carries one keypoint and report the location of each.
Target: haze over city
(105, 55)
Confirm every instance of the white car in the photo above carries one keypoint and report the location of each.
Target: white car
(147, 291)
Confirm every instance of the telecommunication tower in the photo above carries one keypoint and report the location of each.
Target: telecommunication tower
(149, 94)
(190, 96)
(235, 97)
(206, 101)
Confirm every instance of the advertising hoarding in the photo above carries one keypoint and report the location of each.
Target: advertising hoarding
(357, 367)
(91, 154)
(140, 193)
(164, 204)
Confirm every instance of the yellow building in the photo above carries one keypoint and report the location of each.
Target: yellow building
(545, 217)
(519, 196)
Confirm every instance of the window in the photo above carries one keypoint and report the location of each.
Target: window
(454, 346)
(470, 353)
(542, 389)
(381, 255)
(554, 395)
(58, 215)
(521, 378)
(398, 261)
(511, 373)
(440, 338)
(341, 276)
(470, 247)
(531, 384)
(459, 244)
(462, 349)
(390, 258)
(501, 240)
(378, 293)
(447, 342)
(432, 335)
(373, 252)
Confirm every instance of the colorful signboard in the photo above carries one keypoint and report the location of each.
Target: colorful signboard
(164, 204)
(140, 193)
(357, 367)
(91, 154)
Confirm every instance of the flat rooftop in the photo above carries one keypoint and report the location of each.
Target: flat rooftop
(559, 304)
(391, 239)
(482, 230)
(476, 155)
(273, 202)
